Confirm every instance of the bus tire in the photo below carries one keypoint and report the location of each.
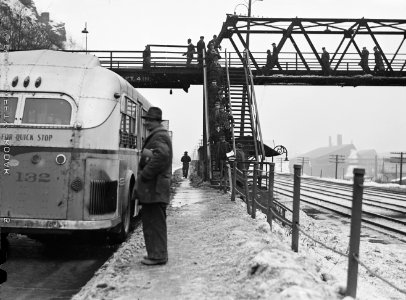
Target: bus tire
(135, 204)
(5, 246)
(120, 234)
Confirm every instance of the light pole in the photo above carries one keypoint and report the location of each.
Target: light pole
(85, 32)
(250, 2)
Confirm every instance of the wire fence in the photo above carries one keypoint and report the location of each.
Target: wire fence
(255, 186)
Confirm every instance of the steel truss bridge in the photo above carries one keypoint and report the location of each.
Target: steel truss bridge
(299, 42)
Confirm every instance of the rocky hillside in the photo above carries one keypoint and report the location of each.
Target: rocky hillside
(22, 28)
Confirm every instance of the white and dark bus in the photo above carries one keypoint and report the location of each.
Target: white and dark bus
(70, 138)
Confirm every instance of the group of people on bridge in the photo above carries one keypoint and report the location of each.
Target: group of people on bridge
(363, 63)
(212, 51)
(272, 58)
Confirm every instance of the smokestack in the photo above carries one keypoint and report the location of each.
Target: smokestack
(330, 144)
(339, 140)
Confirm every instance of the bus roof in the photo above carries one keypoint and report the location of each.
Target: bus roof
(50, 58)
(79, 76)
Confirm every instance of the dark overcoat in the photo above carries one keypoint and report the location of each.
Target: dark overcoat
(155, 171)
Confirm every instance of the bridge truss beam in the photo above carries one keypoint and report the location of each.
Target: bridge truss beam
(298, 39)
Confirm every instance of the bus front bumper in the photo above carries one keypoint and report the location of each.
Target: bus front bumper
(17, 224)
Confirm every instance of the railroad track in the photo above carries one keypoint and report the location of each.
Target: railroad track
(381, 208)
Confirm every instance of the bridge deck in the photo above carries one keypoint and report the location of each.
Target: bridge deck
(168, 69)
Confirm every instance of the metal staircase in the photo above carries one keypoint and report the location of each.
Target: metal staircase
(240, 92)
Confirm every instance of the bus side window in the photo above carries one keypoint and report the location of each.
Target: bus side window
(128, 127)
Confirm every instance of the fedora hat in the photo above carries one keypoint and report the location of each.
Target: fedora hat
(154, 113)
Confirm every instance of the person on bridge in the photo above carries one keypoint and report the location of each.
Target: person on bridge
(201, 45)
(325, 62)
(215, 44)
(364, 60)
(146, 57)
(211, 54)
(275, 58)
(153, 187)
(185, 160)
(189, 53)
(268, 63)
(379, 66)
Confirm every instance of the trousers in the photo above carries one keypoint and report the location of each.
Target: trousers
(153, 219)
(185, 170)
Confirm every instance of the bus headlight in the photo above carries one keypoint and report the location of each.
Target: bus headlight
(60, 159)
(76, 184)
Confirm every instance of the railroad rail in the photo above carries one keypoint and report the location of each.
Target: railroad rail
(380, 209)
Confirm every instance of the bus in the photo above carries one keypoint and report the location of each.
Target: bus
(71, 134)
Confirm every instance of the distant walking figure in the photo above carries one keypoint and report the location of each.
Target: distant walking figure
(189, 53)
(325, 62)
(364, 60)
(379, 66)
(185, 160)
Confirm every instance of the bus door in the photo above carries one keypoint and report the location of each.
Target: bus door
(39, 144)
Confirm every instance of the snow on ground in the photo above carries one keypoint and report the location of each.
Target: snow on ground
(385, 255)
(241, 258)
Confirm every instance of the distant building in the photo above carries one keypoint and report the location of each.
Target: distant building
(321, 161)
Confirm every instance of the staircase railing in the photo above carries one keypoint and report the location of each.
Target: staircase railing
(206, 136)
(229, 98)
(256, 125)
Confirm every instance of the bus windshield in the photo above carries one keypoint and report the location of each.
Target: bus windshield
(47, 111)
(8, 107)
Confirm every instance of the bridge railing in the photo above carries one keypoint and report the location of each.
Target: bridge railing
(291, 61)
(170, 56)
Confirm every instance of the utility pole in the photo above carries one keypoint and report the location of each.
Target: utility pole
(400, 161)
(337, 159)
(248, 25)
(302, 160)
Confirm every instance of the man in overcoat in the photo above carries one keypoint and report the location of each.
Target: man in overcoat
(325, 62)
(200, 48)
(153, 187)
(364, 60)
(185, 164)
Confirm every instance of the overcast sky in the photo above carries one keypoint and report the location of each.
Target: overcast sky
(300, 118)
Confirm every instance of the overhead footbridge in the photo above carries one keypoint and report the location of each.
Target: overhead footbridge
(298, 47)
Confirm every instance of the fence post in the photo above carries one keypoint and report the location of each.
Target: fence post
(271, 178)
(234, 181)
(356, 212)
(254, 191)
(247, 192)
(230, 181)
(296, 207)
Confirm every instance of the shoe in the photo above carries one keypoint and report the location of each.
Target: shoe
(152, 262)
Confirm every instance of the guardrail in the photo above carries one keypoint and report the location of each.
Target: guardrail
(255, 184)
(172, 56)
